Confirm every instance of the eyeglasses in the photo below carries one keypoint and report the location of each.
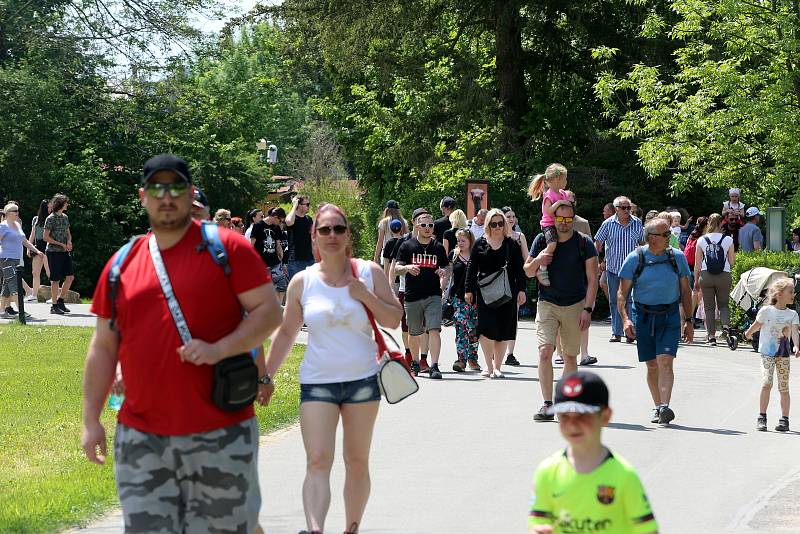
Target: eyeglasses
(563, 219)
(665, 234)
(304, 204)
(497, 224)
(425, 225)
(338, 229)
(175, 189)
(626, 208)
(15, 210)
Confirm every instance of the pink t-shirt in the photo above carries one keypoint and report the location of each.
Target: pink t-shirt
(547, 220)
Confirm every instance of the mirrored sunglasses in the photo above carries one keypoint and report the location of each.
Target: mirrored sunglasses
(563, 219)
(175, 189)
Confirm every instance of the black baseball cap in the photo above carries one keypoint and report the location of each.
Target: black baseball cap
(393, 204)
(166, 162)
(200, 199)
(580, 392)
(447, 202)
(418, 212)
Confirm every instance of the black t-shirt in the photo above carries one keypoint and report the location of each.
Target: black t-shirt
(428, 258)
(267, 237)
(388, 253)
(300, 239)
(567, 272)
(459, 275)
(440, 226)
(450, 237)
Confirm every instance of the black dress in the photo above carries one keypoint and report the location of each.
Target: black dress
(498, 324)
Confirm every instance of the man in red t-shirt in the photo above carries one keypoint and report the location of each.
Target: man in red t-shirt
(181, 463)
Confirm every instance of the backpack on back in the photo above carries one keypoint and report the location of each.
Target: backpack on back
(714, 256)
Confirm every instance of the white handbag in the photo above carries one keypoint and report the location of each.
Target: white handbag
(394, 378)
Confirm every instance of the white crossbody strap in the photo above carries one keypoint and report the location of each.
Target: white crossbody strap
(166, 287)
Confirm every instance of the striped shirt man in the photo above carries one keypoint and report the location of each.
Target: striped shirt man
(619, 240)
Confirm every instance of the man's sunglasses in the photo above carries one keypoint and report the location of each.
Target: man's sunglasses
(626, 208)
(175, 189)
(426, 225)
(338, 229)
(665, 234)
(497, 224)
(563, 219)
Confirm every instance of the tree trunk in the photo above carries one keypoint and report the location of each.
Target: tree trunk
(511, 91)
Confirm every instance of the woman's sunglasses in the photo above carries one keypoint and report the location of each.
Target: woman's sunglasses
(338, 229)
(497, 224)
(175, 189)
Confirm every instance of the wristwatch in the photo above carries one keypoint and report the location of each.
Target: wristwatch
(688, 320)
(265, 380)
(588, 309)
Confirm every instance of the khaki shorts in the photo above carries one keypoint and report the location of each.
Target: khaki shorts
(551, 318)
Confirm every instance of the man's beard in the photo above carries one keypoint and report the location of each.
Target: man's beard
(174, 224)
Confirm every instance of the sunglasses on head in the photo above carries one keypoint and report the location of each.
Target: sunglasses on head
(497, 224)
(338, 229)
(567, 220)
(425, 225)
(626, 208)
(175, 189)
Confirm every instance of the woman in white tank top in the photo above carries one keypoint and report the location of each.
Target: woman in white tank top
(338, 373)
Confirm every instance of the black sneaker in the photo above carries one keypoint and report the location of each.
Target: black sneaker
(459, 366)
(11, 311)
(55, 309)
(511, 360)
(61, 306)
(656, 412)
(542, 415)
(665, 415)
(414, 365)
(761, 425)
(783, 424)
(436, 374)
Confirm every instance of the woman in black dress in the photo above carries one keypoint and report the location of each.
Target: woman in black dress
(496, 326)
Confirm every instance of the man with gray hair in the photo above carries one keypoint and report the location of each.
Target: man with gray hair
(618, 235)
(659, 277)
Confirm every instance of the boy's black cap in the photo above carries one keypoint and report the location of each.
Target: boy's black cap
(393, 204)
(200, 199)
(418, 212)
(580, 392)
(166, 162)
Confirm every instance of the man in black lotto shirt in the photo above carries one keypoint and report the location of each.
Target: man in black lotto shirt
(298, 225)
(267, 238)
(422, 260)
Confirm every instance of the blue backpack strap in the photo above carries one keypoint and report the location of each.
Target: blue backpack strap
(114, 275)
(212, 242)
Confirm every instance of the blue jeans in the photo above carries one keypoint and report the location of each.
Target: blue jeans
(295, 266)
(617, 328)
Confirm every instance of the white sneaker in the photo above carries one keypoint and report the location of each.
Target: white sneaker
(48, 301)
(31, 298)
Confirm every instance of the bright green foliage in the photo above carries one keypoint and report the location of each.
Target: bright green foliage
(46, 483)
(723, 111)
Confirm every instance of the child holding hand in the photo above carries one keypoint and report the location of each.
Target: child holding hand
(550, 188)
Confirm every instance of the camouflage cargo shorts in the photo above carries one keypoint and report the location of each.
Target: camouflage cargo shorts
(198, 483)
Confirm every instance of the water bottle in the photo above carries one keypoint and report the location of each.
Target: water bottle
(115, 401)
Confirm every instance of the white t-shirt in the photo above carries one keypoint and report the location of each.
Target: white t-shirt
(476, 229)
(776, 330)
(341, 346)
(727, 243)
(248, 232)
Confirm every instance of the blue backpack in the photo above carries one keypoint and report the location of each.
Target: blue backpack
(211, 242)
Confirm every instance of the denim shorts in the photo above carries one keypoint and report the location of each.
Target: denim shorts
(354, 392)
(657, 334)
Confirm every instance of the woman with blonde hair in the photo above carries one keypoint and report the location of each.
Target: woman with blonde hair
(338, 376)
(12, 241)
(222, 218)
(713, 260)
(494, 252)
(390, 213)
(458, 220)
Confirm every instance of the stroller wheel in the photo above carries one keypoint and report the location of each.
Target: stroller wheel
(733, 340)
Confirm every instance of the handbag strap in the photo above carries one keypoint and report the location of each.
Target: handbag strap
(382, 348)
(169, 294)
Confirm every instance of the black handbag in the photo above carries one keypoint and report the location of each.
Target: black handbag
(235, 383)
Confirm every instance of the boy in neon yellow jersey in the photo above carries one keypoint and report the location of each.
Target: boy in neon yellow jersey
(586, 488)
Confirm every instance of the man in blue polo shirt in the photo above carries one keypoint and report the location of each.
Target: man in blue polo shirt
(659, 276)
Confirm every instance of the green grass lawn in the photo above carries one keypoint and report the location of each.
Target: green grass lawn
(46, 483)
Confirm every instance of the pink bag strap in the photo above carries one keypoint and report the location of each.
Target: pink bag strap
(382, 348)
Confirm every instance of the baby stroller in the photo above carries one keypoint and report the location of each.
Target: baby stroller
(749, 293)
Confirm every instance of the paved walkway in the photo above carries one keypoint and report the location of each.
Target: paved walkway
(40, 315)
(458, 456)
